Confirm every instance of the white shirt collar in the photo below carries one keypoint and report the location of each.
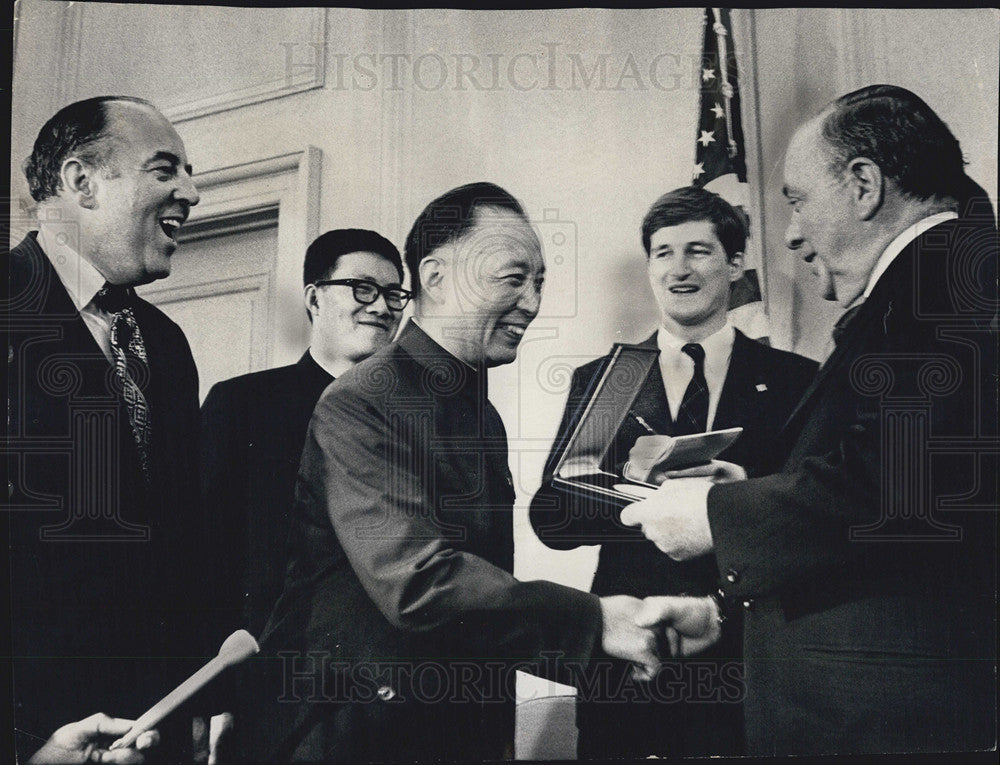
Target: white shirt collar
(677, 367)
(898, 244)
(81, 280)
(717, 344)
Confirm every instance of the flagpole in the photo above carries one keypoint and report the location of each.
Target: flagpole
(727, 90)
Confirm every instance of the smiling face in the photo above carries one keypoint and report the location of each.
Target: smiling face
(690, 277)
(492, 287)
(823, 225)
(140, 199)
(344, 330)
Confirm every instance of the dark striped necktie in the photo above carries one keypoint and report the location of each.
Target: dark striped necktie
(692, 417)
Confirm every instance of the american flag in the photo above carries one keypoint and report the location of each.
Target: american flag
(720, 159)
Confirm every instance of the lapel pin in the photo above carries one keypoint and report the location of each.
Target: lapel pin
(761, 387)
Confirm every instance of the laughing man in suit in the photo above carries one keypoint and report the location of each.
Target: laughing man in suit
(694, 242)
(867, 564)
(102, 432)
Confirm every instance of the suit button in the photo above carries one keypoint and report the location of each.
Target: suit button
(748, 604)
(732, 576)
(386, 693)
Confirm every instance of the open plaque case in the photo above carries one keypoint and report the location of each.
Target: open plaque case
(579, 469)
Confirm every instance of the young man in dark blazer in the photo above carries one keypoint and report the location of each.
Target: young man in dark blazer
(401, 626)
(694, 242)
(867, 564)
(104, 523)
(253, 426)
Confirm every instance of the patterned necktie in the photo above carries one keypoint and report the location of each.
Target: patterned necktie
(692, 417)
(128, 351)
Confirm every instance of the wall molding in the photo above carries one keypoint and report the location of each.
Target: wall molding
(280, 190)
(395, 130)
(775, 294)
(286, 83)
(861, 48)
(241, 284)
(255, 288)
(70, 35)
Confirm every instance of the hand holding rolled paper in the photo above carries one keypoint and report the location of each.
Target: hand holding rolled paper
(83, 741)
(236, 648)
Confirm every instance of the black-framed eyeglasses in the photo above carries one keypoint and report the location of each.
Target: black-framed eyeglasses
(366, 292)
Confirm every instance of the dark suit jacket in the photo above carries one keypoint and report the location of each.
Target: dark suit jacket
(400, 580)
(103, 569)
(253, 428)
(869, 561)
(760, 390)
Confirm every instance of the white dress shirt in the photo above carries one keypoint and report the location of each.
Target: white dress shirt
(677, 367)
(82, 281)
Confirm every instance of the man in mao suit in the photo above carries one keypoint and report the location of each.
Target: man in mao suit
(867, 565)
(253, 426)
(103, 519)
(694, 242)
(400, 627)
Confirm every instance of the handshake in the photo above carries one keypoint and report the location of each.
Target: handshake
(633, 628)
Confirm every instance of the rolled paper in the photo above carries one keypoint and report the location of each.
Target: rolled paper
(236, 648)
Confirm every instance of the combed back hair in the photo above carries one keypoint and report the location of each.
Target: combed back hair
(690, 203)
(448, 218)
(323, 254)
(901, 134)
(76, 130)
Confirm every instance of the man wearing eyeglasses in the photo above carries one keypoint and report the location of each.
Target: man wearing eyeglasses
(253, 426)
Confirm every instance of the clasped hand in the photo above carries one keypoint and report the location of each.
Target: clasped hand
(632, 628)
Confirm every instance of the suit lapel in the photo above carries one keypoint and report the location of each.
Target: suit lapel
(736, 399)
(651, 403)
(845, 350)
(56, 303)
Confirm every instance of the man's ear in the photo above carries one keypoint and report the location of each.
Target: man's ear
(79, 181)
(867, 186)
(736, 267)
(431, 273)
(312, 299)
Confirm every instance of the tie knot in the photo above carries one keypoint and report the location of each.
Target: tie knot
(113, 298)
(696, 352)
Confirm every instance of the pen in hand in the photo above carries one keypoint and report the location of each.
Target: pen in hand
(626, 468)
(648, 428)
